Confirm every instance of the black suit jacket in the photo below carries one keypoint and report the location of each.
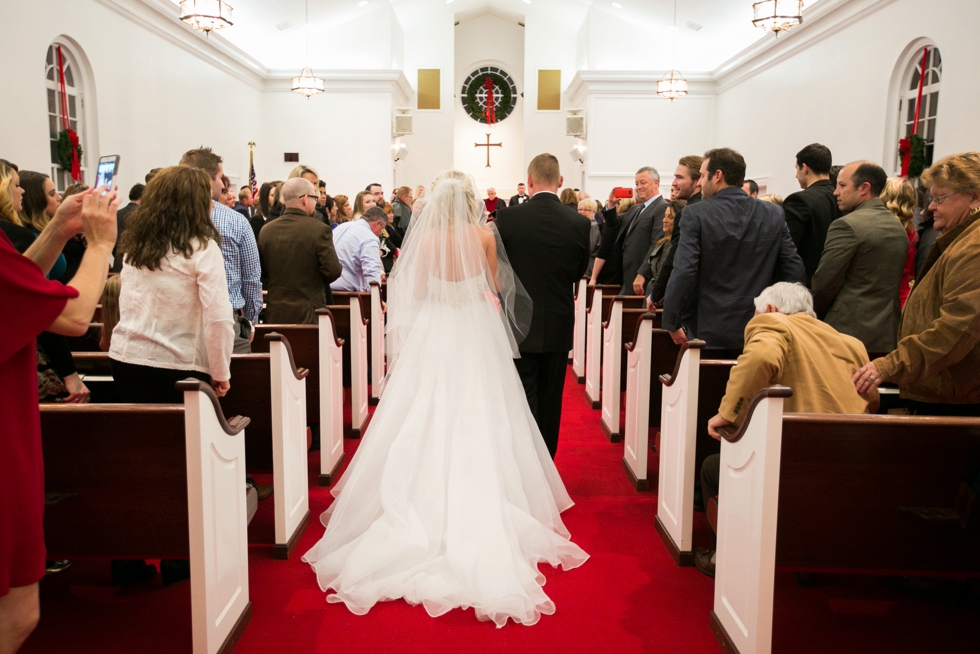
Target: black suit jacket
(548, 246)
(516, 199)
(808, 215)
(121, 217)
(638, 235)
(660, 285)
(732, 247)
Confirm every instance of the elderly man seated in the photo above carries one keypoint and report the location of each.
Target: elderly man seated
(786, 344)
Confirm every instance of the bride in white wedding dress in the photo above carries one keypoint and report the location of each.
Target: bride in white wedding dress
(452, 499)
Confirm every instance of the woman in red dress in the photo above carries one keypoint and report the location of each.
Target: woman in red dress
(40, 304)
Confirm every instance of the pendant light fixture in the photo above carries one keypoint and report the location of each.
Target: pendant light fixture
(672, 85)
(307, 83)
(777, 15)
(206, 15)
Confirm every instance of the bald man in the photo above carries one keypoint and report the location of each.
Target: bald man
(298, 258)
(855, 287)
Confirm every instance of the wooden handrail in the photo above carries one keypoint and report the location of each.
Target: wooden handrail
(733, 434)
(233, 426)
(298, 373)
(636, 335)
(668, 380)
(333, 325)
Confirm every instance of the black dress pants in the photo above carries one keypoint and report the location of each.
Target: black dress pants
(139, 384)
(543, 377)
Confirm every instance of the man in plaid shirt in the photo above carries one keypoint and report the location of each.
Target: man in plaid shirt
(242, 267)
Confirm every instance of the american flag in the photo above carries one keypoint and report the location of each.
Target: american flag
(253, 184)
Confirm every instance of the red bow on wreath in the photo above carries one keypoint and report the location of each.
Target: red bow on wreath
(491, 112)
(69, 160)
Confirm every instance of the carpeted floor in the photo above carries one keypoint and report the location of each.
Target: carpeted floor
(629, 596)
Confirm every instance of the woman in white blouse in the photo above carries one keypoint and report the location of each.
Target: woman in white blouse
(174, 314)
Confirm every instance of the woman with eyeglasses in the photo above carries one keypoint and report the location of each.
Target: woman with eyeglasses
(938, 355)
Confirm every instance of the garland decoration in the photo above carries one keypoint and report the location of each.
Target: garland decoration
(492, 114)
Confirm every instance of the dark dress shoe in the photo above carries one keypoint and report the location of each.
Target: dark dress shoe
(129, 572)
(54, 567)
(174, 571)
(704, 559)
(263, 491)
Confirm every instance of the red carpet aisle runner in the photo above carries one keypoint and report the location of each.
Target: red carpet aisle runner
(629, 597)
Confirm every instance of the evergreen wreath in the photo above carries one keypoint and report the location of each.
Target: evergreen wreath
(472, 104)
(917, 157)
(65, 149)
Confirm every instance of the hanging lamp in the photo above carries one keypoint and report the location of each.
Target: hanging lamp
(206, 15)
(307, 83)
(672, 85)
(777, 15)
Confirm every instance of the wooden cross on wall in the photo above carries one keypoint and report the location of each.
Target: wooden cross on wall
(488, 145)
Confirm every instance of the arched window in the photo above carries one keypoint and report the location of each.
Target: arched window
(76, 99)
(929, 111)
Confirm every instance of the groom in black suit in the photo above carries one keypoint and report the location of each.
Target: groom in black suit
(548, 246)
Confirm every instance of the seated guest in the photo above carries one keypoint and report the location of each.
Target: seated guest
(900, 197)
(175, 318)
(732, 248)
(938, 354)
(751, 188)
(809, 212)
(299, 258)
(359, 251)
(363, 201)
(855, 287)
(494, 204)
(110, 311)
(786, 344)
(607, 268)
(587, 208)
(660, 250)
(246, 203)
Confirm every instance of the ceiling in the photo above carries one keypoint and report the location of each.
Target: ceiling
(272, 31)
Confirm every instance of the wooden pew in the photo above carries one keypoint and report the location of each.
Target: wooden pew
(620, 318)
(331, 357)
(376, 325)
(577, 355)
(861, 494)
(155, 481)
(598, 295)
(357, 353)
(304, 342)
(651, 352)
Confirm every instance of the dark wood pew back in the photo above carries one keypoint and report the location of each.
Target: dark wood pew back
(305, 343)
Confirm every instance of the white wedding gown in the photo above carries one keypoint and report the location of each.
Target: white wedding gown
(452, 498)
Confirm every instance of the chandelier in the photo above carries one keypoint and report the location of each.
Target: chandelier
(307, 83)
(206, 15)
(672, 85)
(777, 15)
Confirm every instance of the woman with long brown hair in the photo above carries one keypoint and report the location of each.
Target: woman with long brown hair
(175, 318)
(344, 211)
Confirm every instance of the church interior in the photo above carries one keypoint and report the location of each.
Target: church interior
(394, 93)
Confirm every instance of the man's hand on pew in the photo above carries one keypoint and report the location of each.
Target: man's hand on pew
(714, 424)
(221, 388)
(679, 336)
(638, 284)
(78, 392)
(867, 378)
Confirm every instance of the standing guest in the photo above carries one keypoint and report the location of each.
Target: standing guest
(548, 247)
(75, 247)
(569, 198)
(390, 240)
(312, 177)
(641, 229)
(935, 364)
(493, 204)
(855, 287)
(772, 198)
(685, 186)
(363, 201)
(607, 267)
(359, 250)
(587, 208)
(135, 195)
(246, 203)
(751, 188)
(402, 209)
(40, 304)
(928, 234)
(263, 208)
(227, 195)
(150, 175)
(344, 211)
(834, 172)
(379, 195)
(38, 203)
(732, 248)
(809, 212)
(74, 189)
(419, 192)
(321, 187)
(659, 254)
(330, 207)
(299, 258)
(110, 311)
(901, 198)
(521, 196)
(242, 268)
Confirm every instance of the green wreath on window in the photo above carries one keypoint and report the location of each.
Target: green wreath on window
(472, 104)
(65, 147)
(917, 157)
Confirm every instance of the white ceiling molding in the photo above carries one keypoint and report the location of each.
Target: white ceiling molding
(632, 83)
(349, 81)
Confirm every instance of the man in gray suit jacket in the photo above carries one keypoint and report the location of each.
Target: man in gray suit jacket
(855, 287)
(642, 227)
(732, 248)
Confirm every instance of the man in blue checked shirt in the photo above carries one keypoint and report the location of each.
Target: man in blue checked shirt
(242, 267)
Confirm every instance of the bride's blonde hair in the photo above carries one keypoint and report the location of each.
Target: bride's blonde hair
(464, 183)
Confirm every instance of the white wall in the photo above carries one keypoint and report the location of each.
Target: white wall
(836, 92)
(154, 99)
